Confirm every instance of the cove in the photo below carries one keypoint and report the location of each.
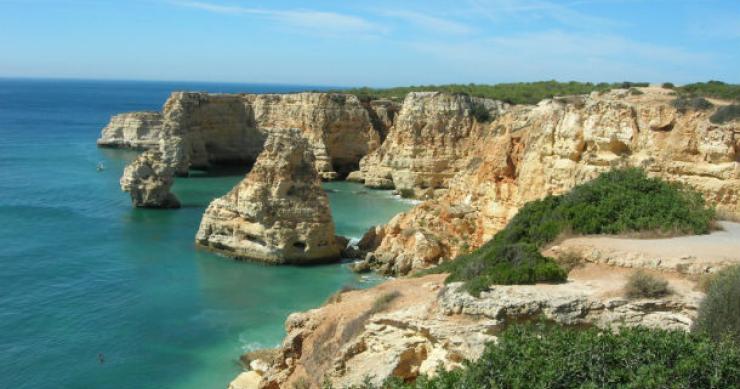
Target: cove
(84, 274)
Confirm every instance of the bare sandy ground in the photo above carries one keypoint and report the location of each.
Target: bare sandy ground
(719, 246)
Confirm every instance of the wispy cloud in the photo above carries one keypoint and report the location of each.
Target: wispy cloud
(430, 22)
(319, 21)
(564, 55)
(565, 14)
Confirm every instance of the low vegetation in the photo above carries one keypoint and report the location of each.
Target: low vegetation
(513, 93)
(383, 301)
(569, 260)
(534, 92)
(726, 114)
(685, 104)
(616, 202)
(539, 356)
(719, 312)
(716, 89)
(642, 284)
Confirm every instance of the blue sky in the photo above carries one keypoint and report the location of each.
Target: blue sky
(374, 43)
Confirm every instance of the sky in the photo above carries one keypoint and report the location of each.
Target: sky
(372, 43)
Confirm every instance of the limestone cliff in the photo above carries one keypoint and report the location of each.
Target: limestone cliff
(430, 137)
(136, 130)
(148, 181)
(197, 130)
(278, 213)
(528, 152)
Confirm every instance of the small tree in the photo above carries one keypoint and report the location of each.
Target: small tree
(719, 312)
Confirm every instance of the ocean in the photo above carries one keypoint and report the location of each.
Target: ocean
(97, 294)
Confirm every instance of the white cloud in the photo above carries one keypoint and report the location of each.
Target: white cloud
(318, 21)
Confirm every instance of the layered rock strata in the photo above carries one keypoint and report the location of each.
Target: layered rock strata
(528, 152)
(135, 130)
(428, 142)
(278, 213)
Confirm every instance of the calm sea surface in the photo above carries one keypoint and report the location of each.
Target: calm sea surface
(83, 274)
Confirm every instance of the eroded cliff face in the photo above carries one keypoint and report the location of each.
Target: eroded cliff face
(135, 130)
(429, 140)
(278, 213)
(528, 152)
(148, 180)
(197, 130)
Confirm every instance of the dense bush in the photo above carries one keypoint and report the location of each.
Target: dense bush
(618, 201)
(514, 93)
(668, 85)
(555, 357)
(726, 114)
(684, 104)
(641, 284)
(717, 89)
(480, 113)
(719, 312)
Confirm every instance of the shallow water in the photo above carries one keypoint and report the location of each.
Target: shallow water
(84, 276)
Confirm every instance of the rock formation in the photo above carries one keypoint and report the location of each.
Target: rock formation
(278, 213)
(135, 130)
(430, 138)
(528, 152)
(148, 181)
(431, 324)
(197, 130)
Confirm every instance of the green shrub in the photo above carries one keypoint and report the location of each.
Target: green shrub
(480, 113)
(717, 89)
(569, 260)
(719, 312)
(641, 284)
(556, 357)
(628, 84)
(668, 85)
(685, 104)
(619, 201)
(726, 114)
(636, 92)
(383, 301)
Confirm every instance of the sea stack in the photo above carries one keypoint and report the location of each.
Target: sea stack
(148, 180)
(278, 213)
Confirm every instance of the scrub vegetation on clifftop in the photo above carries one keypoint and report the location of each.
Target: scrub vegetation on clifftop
(540, 356)
(534, 92)
(514, 93)
(619, 201)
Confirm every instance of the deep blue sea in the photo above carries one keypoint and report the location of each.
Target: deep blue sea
(83, 275)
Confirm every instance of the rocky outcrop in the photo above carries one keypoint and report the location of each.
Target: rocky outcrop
(197, 130)
(528, 152)
(278, 213)
(148, 180)
(430, 137)
(431, 324)
(134, 130)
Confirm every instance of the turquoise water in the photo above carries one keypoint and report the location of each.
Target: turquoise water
(83, 274)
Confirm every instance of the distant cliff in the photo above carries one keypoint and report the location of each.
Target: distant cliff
(197, 130)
